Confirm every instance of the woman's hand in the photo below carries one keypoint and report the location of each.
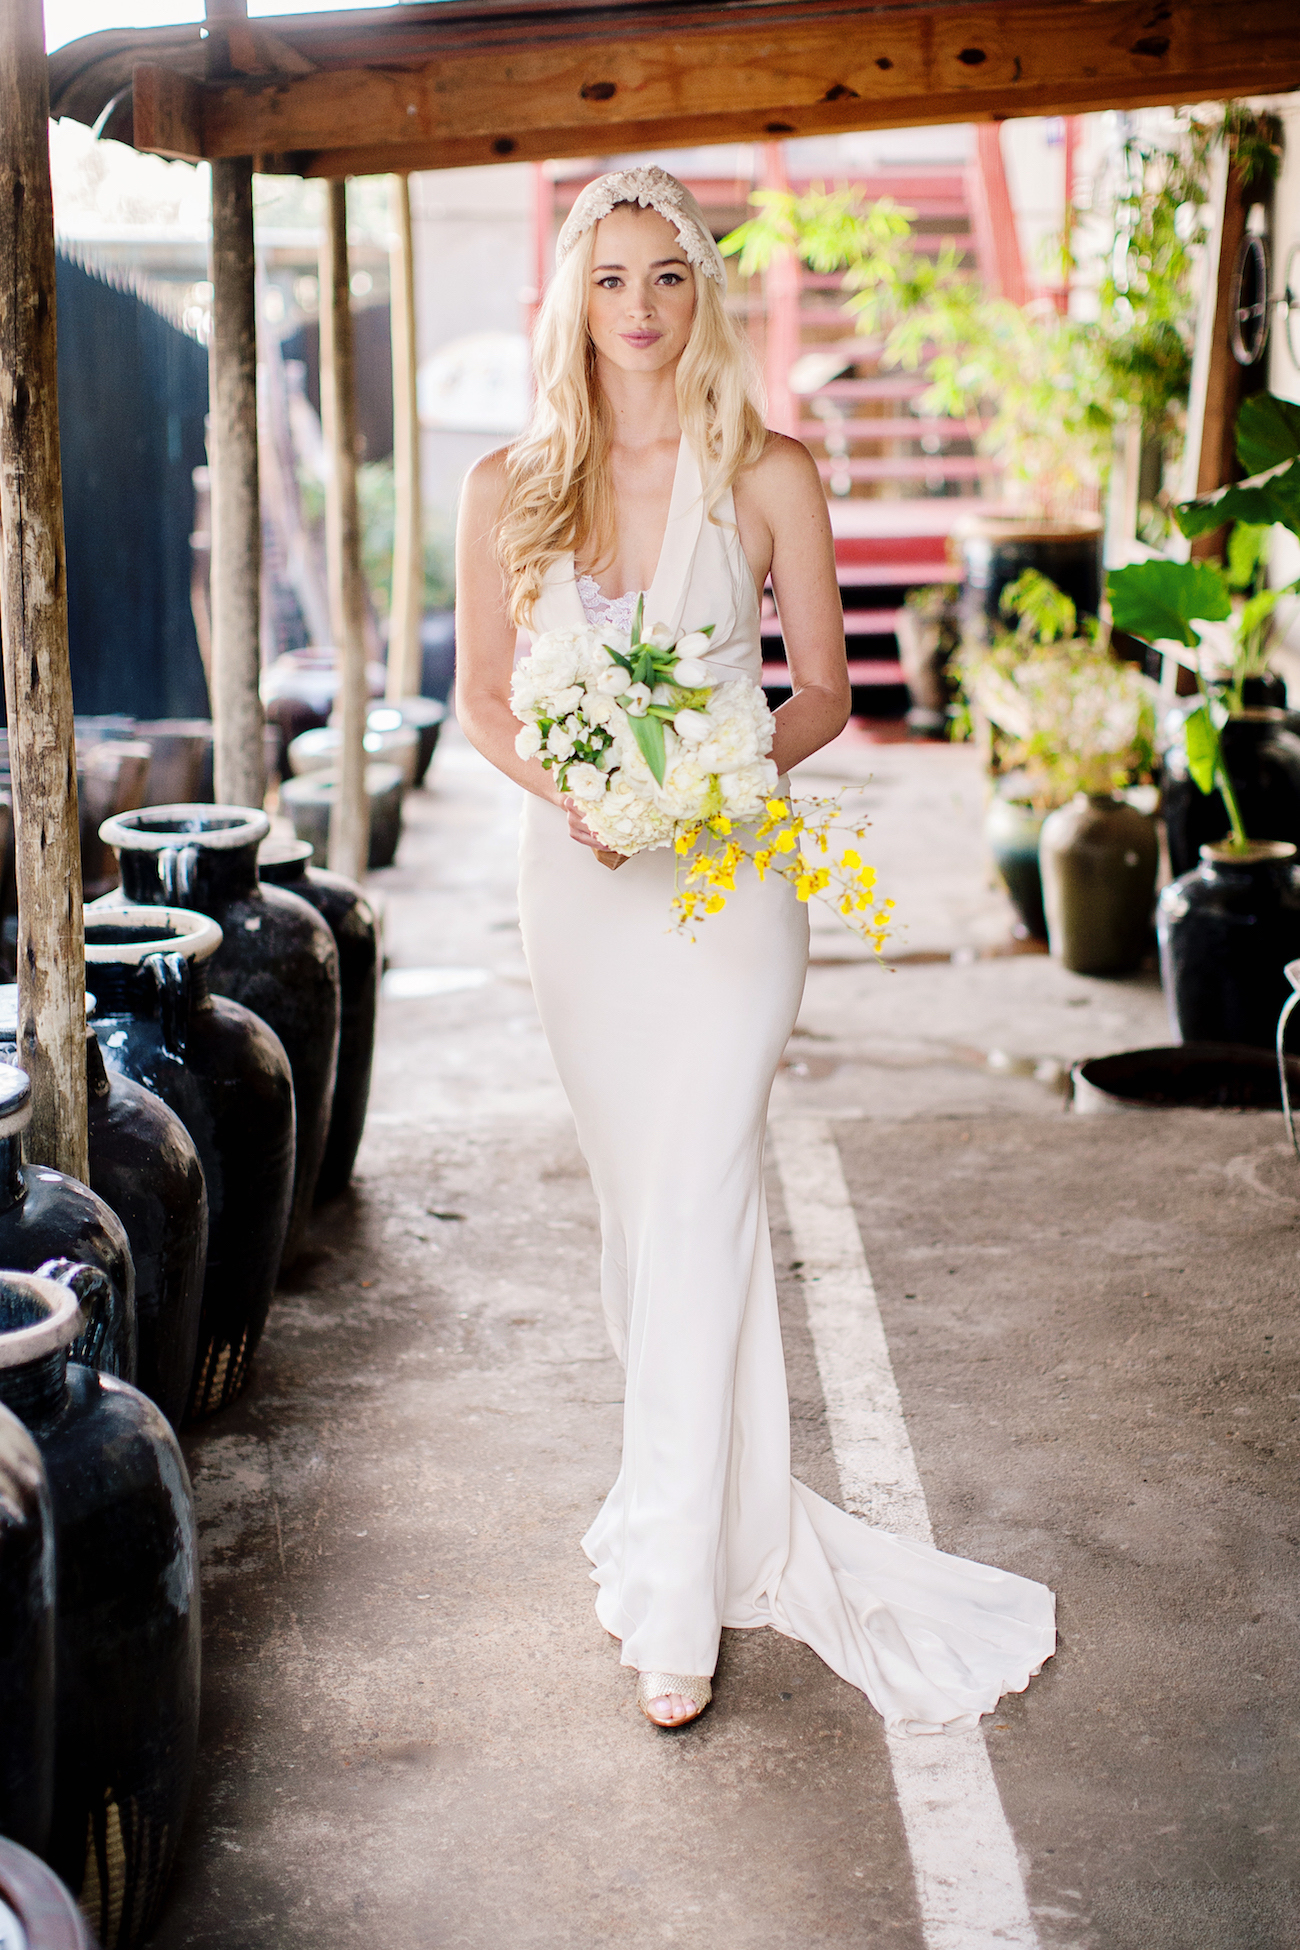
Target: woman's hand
(582, 833)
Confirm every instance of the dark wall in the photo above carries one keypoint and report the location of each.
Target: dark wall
(372, 337)
(133, 393)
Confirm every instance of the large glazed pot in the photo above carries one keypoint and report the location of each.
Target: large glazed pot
(322, 750)
(1227, 931)
(355, 927)
(126, 1614)
(277, 955)
(1098, 857)
(144, 1166)
(299, 689)
(309, 801)
(997, 549)
(1262, 756)
(35, 1902)
(424, 715)
(46, 1217)
(26, 1639)
(1011, 832)
(226, 1076)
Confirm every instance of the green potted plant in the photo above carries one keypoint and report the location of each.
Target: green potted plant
(1073, 727)
(1230, 922)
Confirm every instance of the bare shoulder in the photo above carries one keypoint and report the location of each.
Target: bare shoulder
(783, 478)
(483, 492)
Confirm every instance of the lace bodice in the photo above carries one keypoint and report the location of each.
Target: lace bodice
(606, 612)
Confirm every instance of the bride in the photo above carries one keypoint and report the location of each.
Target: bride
(647, 469)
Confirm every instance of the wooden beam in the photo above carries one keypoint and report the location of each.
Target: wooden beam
(34, 615)
(349, 847)
(407, 605)
(772, 73)
(167, 112)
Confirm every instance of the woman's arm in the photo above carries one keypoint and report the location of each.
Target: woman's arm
(485, 635)
(781, 506)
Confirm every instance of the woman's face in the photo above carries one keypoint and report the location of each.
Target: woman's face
(642, 295)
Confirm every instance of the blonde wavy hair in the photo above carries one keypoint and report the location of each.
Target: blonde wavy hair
(560, 496)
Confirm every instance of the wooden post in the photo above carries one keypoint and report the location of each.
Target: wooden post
(34, 614)
(405, 658)
(350, 817)
(782, 286)
(236, 577)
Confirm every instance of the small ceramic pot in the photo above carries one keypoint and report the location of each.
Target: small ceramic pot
(277, 955)
(126, 1614)
(40, 1905)
(321, 750)
(48, 1219)
(26, 1639)
(424, 715)
(355, 927)
(1098, 858)
(309, 800)
(226, 1076)
(1011, 831)
(1226, 932)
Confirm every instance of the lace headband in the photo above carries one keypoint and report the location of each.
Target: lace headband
(653, 189)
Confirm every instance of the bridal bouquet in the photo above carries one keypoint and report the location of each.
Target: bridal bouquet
(653, 752)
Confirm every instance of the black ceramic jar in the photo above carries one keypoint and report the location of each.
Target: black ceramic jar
(226, 1076)
(126, 1614)
(355, 927)
(26, 1638)
(277, 955)
(1227, 931)
(144, 1166)
(46, 1216)
(1262, 756)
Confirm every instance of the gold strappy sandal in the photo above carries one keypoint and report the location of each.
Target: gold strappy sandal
(651, 1686)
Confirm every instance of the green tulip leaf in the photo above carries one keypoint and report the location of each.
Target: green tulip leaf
(1202, 747)
(1152, 600)
(649, 735)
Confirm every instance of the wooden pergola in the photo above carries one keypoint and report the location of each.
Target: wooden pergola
(432, 87)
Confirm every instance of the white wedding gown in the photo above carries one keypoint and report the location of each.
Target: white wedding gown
(667, 1049)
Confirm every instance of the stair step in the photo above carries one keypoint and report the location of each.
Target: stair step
(864, 673)
(906, 427)
(857, 622)
(912, 467)
(898, 575)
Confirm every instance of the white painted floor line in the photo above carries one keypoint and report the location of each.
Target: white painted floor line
(969, 1888)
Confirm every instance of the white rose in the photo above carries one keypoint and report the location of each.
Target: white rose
(692, 727)
(584, 781)
(690, 674)
(693, 645)
(597, 708)
(635, 700)
(565, 700)
(559, 743)
(529, 742)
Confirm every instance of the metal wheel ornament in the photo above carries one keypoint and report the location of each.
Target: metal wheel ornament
(1248, 307)
(1289, 304)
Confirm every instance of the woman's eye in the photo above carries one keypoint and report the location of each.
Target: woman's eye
(609, 284)
(672, 277)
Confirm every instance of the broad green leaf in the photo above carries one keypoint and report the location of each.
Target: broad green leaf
(1271, 496)
(649, 735)
(1268, 430)
(1159, 599)
(1202, 747)
(1247, 547)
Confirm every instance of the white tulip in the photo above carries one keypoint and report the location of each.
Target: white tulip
(694, 645)
(692, 727)
(660, 635)
(635, 700)
(529, 742)
(610, 682)
(691, 674)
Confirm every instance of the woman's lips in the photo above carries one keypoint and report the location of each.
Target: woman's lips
(640, 338)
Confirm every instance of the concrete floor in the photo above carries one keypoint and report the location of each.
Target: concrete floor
(415, 1732)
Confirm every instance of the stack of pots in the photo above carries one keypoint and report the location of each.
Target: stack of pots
(225, 1076)
(99, 1678)
(276, 955)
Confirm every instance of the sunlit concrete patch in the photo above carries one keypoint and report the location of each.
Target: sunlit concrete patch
(415, 984)
(968, 1883)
